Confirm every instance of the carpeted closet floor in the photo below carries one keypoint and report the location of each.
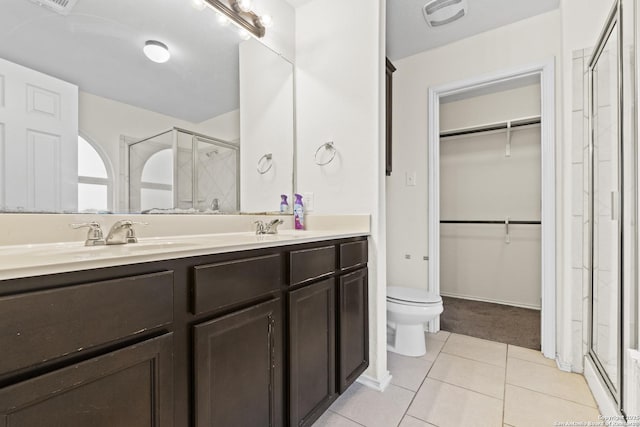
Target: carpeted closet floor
(495, 322)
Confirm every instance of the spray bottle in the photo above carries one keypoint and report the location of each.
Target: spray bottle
(298, 212)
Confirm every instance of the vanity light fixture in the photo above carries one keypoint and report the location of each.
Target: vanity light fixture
(198, 4)
(240, 12)
(156, 51)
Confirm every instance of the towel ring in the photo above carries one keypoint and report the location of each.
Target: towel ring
(329, 147)
(265, 164)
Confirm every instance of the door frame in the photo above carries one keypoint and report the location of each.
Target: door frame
(546, 71)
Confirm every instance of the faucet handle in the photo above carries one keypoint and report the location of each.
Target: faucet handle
(94, 234)
(260, 227)
(131, 232)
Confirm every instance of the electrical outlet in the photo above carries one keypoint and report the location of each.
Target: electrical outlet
(407, 256)
(425, 258)
(307, 200)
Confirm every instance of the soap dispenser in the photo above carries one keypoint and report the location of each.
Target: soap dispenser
(298, 212)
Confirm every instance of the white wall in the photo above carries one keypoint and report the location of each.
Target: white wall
(281, 36)
(525, 42)
(509, 104)
(339, 97)
(266, 126)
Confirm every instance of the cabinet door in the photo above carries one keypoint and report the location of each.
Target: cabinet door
(353, 327)
(311, 352)
(129, 387)
(238, 368)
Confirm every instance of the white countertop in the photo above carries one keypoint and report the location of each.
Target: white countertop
(48, 258)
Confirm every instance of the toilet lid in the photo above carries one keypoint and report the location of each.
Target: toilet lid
(412, 295)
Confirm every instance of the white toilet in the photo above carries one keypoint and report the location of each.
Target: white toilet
(408, 309)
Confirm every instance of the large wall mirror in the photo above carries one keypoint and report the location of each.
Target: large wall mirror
(89, 123)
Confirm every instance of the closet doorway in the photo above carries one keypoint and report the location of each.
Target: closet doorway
(490, 187)
(492, 195)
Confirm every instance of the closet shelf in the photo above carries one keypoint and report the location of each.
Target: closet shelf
(516, 222)
(507, 125)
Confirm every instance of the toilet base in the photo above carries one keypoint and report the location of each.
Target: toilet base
(408, 340)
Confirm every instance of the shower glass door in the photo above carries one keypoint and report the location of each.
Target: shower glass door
(606, 206)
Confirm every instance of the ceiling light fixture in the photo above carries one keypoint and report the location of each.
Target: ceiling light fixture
(442, 12)
(156, 51)
(240, 12)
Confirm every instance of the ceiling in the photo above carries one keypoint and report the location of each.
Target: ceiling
(99, 48)
(296, 3)
(408, 33)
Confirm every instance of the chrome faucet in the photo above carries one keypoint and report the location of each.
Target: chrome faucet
(94, 234)
(270, 227)
(123, 232)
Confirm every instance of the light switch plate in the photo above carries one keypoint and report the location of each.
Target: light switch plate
(411, 179)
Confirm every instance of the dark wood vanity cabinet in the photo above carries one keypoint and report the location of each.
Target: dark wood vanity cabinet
(312, 355)
(353, 327)
(238, 368)
(130, 387)
(261, 338)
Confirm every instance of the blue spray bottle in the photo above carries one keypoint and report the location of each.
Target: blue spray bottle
(298, 212)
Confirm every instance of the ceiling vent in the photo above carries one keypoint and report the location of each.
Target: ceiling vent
(442, 12)
(63, 7)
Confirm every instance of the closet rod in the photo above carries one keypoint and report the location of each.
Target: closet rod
(491, 127)
(455, 221)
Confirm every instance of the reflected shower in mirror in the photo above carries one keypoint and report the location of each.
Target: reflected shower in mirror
(80, 102)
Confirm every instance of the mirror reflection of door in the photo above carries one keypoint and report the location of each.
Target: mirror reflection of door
(606, 207)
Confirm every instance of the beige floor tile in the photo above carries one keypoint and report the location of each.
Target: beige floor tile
(434, 345)
(548, 380)
(477, 376)
(373, 408)
(526, 408)
(446, 405)
(529, 355)
(440, 335)
(331, 419)
(409, 421)
(407, 372)
(477, 349)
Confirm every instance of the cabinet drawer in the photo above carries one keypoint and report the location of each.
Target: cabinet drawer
(231, 282)
(44, 325)
(353, 254)
(129, 387)
(307, 264)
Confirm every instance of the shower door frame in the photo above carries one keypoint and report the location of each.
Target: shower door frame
(613, 23)
(546, 71)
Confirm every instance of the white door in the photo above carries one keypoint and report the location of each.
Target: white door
(38, 141)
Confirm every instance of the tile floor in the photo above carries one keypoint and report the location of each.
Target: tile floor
(464, 382)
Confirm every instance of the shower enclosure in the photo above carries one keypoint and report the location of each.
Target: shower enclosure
(612, 190)
(183, 171)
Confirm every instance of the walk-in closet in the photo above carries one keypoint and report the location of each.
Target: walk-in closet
(490, 212)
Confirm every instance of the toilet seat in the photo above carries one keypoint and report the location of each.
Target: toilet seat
(412, 296)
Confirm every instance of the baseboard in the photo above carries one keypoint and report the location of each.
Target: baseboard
(475, 298)
(606, 404)
(563, 366)
(378, 385)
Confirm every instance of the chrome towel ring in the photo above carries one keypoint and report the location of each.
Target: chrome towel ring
(265, 163)
(328, 146)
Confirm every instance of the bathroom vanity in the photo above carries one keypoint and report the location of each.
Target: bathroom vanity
(266, 335)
